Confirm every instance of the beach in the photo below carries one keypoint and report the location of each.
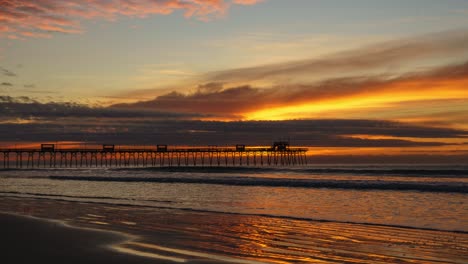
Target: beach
(117, 221)
(147, 235)
(32, 240)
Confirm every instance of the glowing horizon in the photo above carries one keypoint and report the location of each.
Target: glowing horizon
(323, 73)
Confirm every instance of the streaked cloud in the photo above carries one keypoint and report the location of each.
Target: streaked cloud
(392, 80)
(388, 57)
(133, 129)
(7, 72)
(247, 2)
(42, 18)
(68, 121)
(175, 72)
(312, 100)
(25, 108)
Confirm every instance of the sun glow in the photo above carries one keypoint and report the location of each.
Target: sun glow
(364, 102)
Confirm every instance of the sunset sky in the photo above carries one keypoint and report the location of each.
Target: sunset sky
(368, 77)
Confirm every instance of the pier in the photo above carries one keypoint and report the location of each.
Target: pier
(108, 155)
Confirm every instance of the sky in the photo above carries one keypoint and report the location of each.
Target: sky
(365, 76)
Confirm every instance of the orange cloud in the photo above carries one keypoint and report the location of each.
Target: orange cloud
(421, 79)
(367, 97)
(35, 34)
(49, 16)
(247, 2)
(356, 97)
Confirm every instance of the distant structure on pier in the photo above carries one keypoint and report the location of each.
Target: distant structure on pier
(108, 155)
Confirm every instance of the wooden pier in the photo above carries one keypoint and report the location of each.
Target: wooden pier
(49, 156)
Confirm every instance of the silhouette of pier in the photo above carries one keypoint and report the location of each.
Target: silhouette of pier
(107, 155)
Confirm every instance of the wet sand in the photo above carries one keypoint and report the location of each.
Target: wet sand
(202, 237)
(30, 240)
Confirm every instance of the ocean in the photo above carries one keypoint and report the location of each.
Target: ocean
(291, 208)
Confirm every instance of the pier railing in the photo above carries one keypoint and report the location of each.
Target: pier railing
(48, 156)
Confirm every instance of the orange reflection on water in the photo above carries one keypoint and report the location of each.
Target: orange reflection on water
(182, 235)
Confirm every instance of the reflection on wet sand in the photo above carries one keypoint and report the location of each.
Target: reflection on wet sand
(229, 237)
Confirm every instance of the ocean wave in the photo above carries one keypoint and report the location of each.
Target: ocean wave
(400, 172)
(82, 196)
(452, 187)
(403, 171)
(413, 172)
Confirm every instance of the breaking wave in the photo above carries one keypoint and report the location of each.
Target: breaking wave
(450, 187)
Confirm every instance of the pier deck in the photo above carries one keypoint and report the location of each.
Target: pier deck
(48, 156)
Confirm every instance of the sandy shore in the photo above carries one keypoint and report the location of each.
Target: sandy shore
(31, 240)
(171, 236)
(27, 239)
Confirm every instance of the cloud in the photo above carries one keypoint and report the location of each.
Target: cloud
(6, 84)
(35, 121)
(41, 18)
(388, 56)
(247, 2)
(38, 122)
(318, 133)
(12, 108)
(447, 82)
(398, 80)
(175, 72)
(7, 72)
(29, 86)
(388, 59)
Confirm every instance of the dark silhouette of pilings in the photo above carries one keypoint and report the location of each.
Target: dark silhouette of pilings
(82, 158)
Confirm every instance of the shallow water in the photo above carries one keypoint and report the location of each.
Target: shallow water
(431, 197)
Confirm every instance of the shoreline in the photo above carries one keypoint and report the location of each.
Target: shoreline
(191, 210)
(147, 235)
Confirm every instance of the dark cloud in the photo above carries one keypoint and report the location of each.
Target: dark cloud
(25, 107)
(6, 84)
(222, 103)
(7, 72)
(151, 131)
(75, 122)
